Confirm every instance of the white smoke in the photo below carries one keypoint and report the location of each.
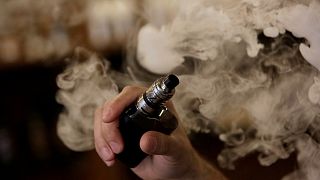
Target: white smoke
(303, 21)
(308, 159)
(84, 86)
(257, 95)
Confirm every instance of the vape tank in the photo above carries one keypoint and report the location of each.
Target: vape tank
(148, 113)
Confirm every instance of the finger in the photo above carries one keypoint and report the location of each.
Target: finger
(156, 143)
(114, 108)
(102, 148)
(112, 136)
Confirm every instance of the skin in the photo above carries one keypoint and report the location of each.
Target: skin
(170, 157)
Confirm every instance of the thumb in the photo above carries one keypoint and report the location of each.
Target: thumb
(156, 143)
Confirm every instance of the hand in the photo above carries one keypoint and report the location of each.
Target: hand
(170, 157)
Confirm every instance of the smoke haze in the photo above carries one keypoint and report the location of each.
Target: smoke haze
(249, 72)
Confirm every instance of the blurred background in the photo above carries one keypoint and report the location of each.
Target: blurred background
(30, 148)
(35, 38)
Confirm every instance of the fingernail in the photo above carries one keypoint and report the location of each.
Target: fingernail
(106, 153)
(115, 147)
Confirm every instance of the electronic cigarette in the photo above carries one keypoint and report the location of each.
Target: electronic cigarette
(148, 113)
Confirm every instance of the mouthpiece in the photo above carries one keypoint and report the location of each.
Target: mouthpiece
(171, 81)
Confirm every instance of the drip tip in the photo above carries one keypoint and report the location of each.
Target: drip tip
(171, 81)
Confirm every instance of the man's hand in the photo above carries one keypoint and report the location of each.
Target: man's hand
(170, 157)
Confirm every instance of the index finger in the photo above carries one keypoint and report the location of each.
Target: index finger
(113, 108)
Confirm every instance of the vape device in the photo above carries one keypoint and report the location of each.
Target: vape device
(148, 113)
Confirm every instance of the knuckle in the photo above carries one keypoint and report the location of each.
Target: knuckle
(131, 88)
(106, 104)
(109, 105)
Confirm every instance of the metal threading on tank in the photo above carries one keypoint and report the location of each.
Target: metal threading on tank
(157, 94)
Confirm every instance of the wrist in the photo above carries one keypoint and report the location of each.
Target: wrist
(201, 169)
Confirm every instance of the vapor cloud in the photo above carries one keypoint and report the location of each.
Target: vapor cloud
(249, 72)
